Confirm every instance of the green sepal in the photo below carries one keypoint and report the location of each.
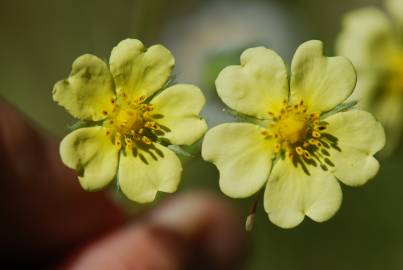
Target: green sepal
(82, 124)
(343, 107)
(243, 117)
(180, 151)
(170, 82)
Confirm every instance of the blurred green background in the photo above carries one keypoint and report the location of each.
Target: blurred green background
(40, 39)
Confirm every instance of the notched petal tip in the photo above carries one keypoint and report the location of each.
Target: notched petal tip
(87, 92)
(129, 43)
(291, 194)
(91, 153)
(241, 155)
(360, 136)
(259, 84)
(294, 221)
(151, 175)
(322, 82)
(179, 107)
(140, 71)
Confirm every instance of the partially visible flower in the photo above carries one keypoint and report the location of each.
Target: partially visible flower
(373, 40)
(299, 143)
(128, 120)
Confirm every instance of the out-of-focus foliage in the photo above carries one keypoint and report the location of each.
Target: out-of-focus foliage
(372, 39)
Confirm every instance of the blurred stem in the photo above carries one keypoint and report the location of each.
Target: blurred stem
(252, 212)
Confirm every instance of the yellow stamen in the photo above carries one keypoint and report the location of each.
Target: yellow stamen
(299, 150)
(146, 140)
(316, 134)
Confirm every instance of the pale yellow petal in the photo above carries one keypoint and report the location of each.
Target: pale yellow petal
(143, 173)
(365, 38)
(177, 110)
(395, 8)
(291, 194)
(90, 152)
(139, 71)
(321, 82)
(359, 136)
(389, 110)
(87, 92)
(257, 86)
(241, 155)
(353, 167)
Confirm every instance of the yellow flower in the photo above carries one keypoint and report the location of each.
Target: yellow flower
(128, 120)
(299, 147)
(374, 43)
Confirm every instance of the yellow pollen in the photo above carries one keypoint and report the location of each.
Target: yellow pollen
(295, 131)
(315, 134)
(118, 143)
(151, 125)
(150, 107)
(146, 140)
(292, 128)
(299, 150)
(129, 122)
(136, 137)
(307, 155)
(129, 119)
(315, 115)
(264, 133)
(299, 134)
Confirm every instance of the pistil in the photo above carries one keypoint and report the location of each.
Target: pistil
(130, 123)
(300, 136)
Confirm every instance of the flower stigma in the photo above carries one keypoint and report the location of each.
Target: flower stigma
(130, 123)
(300, 136)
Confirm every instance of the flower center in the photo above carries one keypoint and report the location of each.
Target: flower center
(301, 137)
(128, 119)
(395, 82)
(292, 128)
(130, 123)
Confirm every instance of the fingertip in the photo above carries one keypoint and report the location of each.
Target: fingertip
(188, 231)
(209, 225)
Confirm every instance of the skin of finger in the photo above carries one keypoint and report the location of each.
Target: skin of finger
(43, 210)
(209, 224)
(171, 238)
(136, 247)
